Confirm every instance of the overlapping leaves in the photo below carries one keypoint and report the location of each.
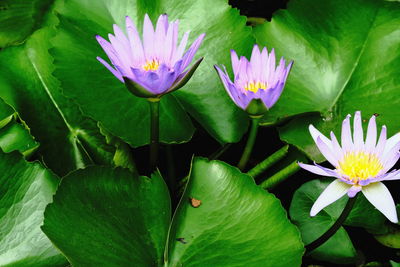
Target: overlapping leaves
(102, 214)
(107, 100)
(346, 57)
(25, 190)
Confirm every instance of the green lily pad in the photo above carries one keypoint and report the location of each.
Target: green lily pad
(225, 219)
(69, 140)
(102, 215)
(339, 248)
(101, 95)
(13, 135)
(19, 18)
(25, 190)
(346, 59)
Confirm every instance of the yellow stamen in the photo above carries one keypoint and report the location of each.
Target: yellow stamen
(151, 65)
(359, 165)
(254, 87)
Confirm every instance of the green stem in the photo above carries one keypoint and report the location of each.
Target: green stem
(154, 131)
(280, 176)
(333, 229)
(268, 162)
(219, 152)
(250, 143)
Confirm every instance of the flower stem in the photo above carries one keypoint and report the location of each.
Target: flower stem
(268, 162)
(333, 229)
(280, 176)
(250, 143)
(219, 152)
(154, 131)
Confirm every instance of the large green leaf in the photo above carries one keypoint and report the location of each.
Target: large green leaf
(18, 19)
(13, 135)
(25, 190)
(68, 139)
(339, 247)
(109, 217)
(237, 223)
(346, 57)
(107, 100)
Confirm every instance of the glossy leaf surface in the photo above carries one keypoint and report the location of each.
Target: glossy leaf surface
(103, 215)
(107, 100)
(236, 222)
(25, 190)
(346, 57)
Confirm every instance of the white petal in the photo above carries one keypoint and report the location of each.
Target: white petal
(380, 197)
(333, 192)
(346, 140)
(381, 142)
(315, 134)
(335, 146)
(317, 170)
(326, 151)
(370, 141)
(358, 136)
(391, 142)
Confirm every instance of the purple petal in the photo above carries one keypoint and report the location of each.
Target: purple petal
(113, 71)
(235, 62)
(123, 54)
(264, 62)
(110, 51)
(270, 96)
(135, 43)
(123, 40)
(148, 38)
(167, 78)
(255, 62)
(160, 36)
(188, 57)
(288, 68)
(270, 71)
(229, 87)
(317, 169)
(352, 192)
(181, 48)
(393, 175)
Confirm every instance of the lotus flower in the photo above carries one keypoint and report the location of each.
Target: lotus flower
(257, 83)
(359, 165)
(156, 66)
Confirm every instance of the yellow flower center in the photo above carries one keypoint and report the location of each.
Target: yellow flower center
(254, 87)
(359, 165)
(151, 65)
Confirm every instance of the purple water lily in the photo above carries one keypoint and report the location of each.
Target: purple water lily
(156, 66)
(359, 165)
(257, 79)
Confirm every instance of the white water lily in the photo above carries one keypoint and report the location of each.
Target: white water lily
(359, 165)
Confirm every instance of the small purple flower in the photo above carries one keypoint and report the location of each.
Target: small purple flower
(257, 80)
(359, 165)
(156, 66)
